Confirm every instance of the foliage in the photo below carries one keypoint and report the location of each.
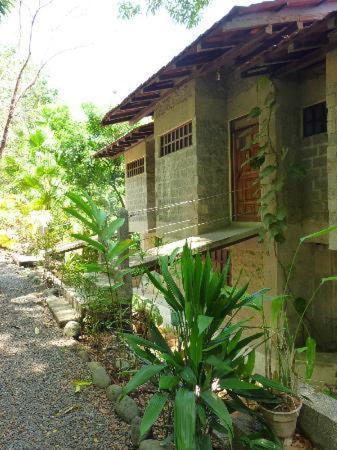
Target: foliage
(49, 156)
(101, 236)
(274, 168)
(5, 5)
(209, 372)
(185, 12)
(286, 338)
(144, 312)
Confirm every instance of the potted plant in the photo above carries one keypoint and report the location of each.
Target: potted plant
(208, 373)
(282, 417)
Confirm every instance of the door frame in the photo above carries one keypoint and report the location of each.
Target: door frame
(247, 122)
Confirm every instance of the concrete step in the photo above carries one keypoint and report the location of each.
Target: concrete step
(61, 310)
(26, 260)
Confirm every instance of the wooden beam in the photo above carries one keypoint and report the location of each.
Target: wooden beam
(304, 14)
(311, 59)
(169, 75)
(158, 86)
(192, 59)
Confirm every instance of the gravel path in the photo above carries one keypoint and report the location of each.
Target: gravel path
(38, 406)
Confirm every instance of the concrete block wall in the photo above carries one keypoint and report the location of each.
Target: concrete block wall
(139, 189)
(313, 154)
(331, 97)
(176, 179)
(212, 154)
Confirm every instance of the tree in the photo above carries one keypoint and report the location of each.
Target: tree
(186, 12)
(26, 75)
(4, 7)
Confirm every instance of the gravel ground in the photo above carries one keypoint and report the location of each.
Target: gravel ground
(38, 406)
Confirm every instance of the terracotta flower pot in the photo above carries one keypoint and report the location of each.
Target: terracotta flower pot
(283, 423)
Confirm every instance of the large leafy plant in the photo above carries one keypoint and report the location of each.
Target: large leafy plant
(101, 236)
(212, 355)
(286, 337)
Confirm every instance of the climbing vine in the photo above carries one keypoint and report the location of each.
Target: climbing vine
(273, 172)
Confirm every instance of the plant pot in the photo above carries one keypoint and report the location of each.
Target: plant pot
(283, 423)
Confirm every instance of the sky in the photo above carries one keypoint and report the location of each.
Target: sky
(104, 58)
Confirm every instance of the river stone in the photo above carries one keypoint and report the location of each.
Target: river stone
(127, 409)
(151, 444)
(84, 355)
(72, 329)
(99, 375)
(113, 392)
(135, 431)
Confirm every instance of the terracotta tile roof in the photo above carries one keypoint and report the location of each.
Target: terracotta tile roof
(267, 37)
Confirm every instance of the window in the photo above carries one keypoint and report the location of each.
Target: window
(176, 139)
(135, 168)
(314, 119)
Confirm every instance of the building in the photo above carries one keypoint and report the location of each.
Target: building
(244, 116)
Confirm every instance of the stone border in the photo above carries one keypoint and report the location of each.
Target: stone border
(126, 409)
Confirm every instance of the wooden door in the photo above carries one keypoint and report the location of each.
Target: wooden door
(246, 189)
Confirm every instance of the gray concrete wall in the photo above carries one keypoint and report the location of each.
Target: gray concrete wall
(212, 154)
(176, 174)
(139, 189)
(313, 154)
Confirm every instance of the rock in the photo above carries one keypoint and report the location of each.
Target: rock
(135, 431)
(99, 375)
(127, 409)
(51, 291)
(121, 364)
(84, 355)
(72, 329)
(151, 444)
(113, 392)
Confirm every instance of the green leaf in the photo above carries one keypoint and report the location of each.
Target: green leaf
(91, 242)
(111, 229)
(220, 410)
(185, 420)
(311, 357)
(152, 412)
(142, 376)
(188, 375)
(237, 384)
(276, 306)
(327, 279)
(117, 248)
(204, 322)
(168, 381)
(78, 384)
(267, 171)
(81, 204)
(36, 139)
(255, 112)
(250, 364)
(271, 384)
(320, 233)
(73, 212)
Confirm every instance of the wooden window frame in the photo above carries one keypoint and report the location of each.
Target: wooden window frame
(136, 167)
(176, 139)
(314, 119)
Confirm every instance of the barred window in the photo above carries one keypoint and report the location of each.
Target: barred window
(314, 119)
(176, 139)
(135, 168)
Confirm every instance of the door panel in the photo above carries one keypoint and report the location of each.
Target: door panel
(246, 189)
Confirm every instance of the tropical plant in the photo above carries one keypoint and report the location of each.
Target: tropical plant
(287, 349)
(209, 372)
(101, 237)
